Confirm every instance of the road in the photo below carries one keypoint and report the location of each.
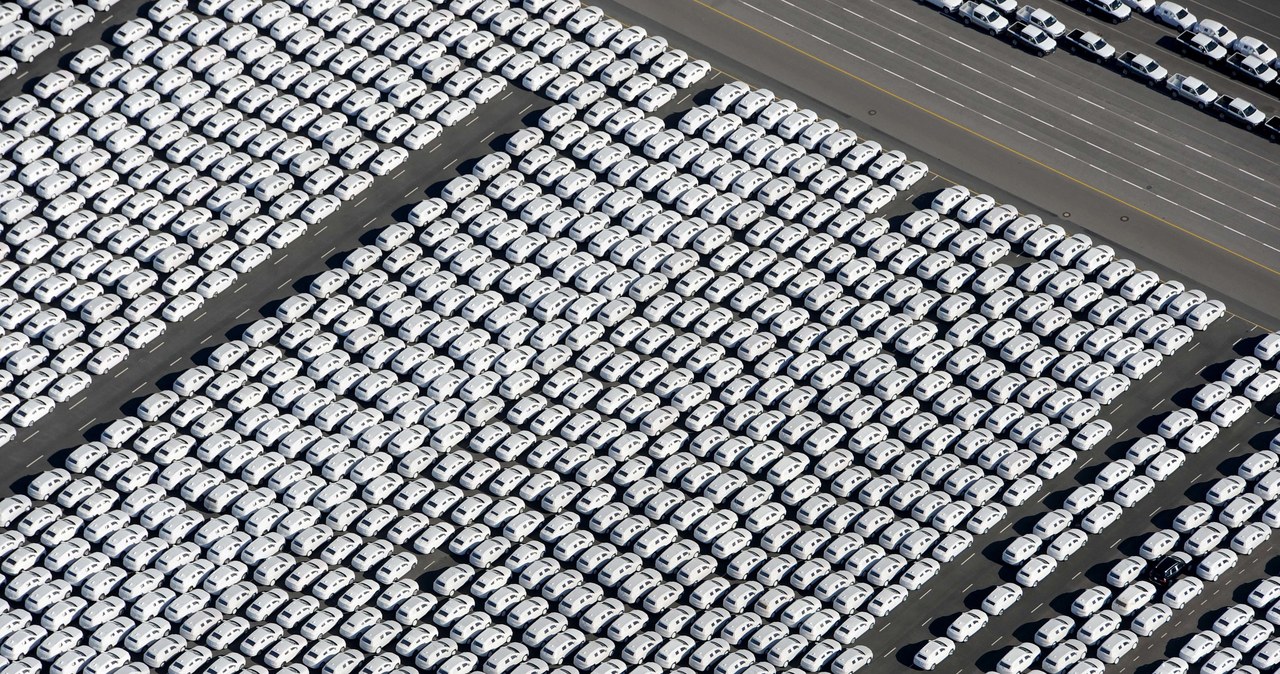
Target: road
(287, 272)
(1110, 158)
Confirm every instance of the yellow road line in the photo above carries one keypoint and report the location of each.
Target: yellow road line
(977, 134)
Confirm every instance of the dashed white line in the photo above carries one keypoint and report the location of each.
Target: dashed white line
(1082, 98)
(964, 44)
(1196, 149)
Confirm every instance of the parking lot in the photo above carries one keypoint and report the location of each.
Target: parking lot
(599, 356)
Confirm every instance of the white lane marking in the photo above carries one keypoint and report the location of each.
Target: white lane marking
(1125, 119)
(901, 15)
(1196, 150)
(999, 102)
(1082, 98)
(964, 44)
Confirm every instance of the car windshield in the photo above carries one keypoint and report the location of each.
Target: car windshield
(1201, 89)
(1248, 110)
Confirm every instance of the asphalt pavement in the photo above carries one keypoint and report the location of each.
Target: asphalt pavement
(1181, 192)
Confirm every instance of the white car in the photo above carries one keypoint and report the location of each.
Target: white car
(1035, 570)
(1090, 601)
(1191, 89)
(933, 653)
(1133, 490)
(1001, 598)
(1126, 571)
(949, 199)
(1215, 30)
(1019, 659)
(1174, 15)
(1042, 20)
(1117, 646)
(906, 177)
(1182, 591)
(966, 625)
(1216, 563)
(877, 198)
(1252, 46)
(1053, 631)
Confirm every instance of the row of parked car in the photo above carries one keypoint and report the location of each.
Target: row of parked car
(1237, 516)
(105, 173)
(174, 58)
(524, 354)
(1247, 58)
(28, 29)
(463, 189)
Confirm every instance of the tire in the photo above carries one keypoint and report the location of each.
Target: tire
(992, 31)
(1124, 73)
(1221, 116)
(965, 20)
(1202, 106)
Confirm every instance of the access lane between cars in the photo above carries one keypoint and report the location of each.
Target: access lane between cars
(1089, 565)
(1159, 234)
(962, 585)
(305, 257)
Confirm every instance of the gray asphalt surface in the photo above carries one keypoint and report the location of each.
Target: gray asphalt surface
(1184, 193)
(288, 272)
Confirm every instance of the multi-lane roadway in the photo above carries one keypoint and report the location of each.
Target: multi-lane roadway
(1191, 196)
